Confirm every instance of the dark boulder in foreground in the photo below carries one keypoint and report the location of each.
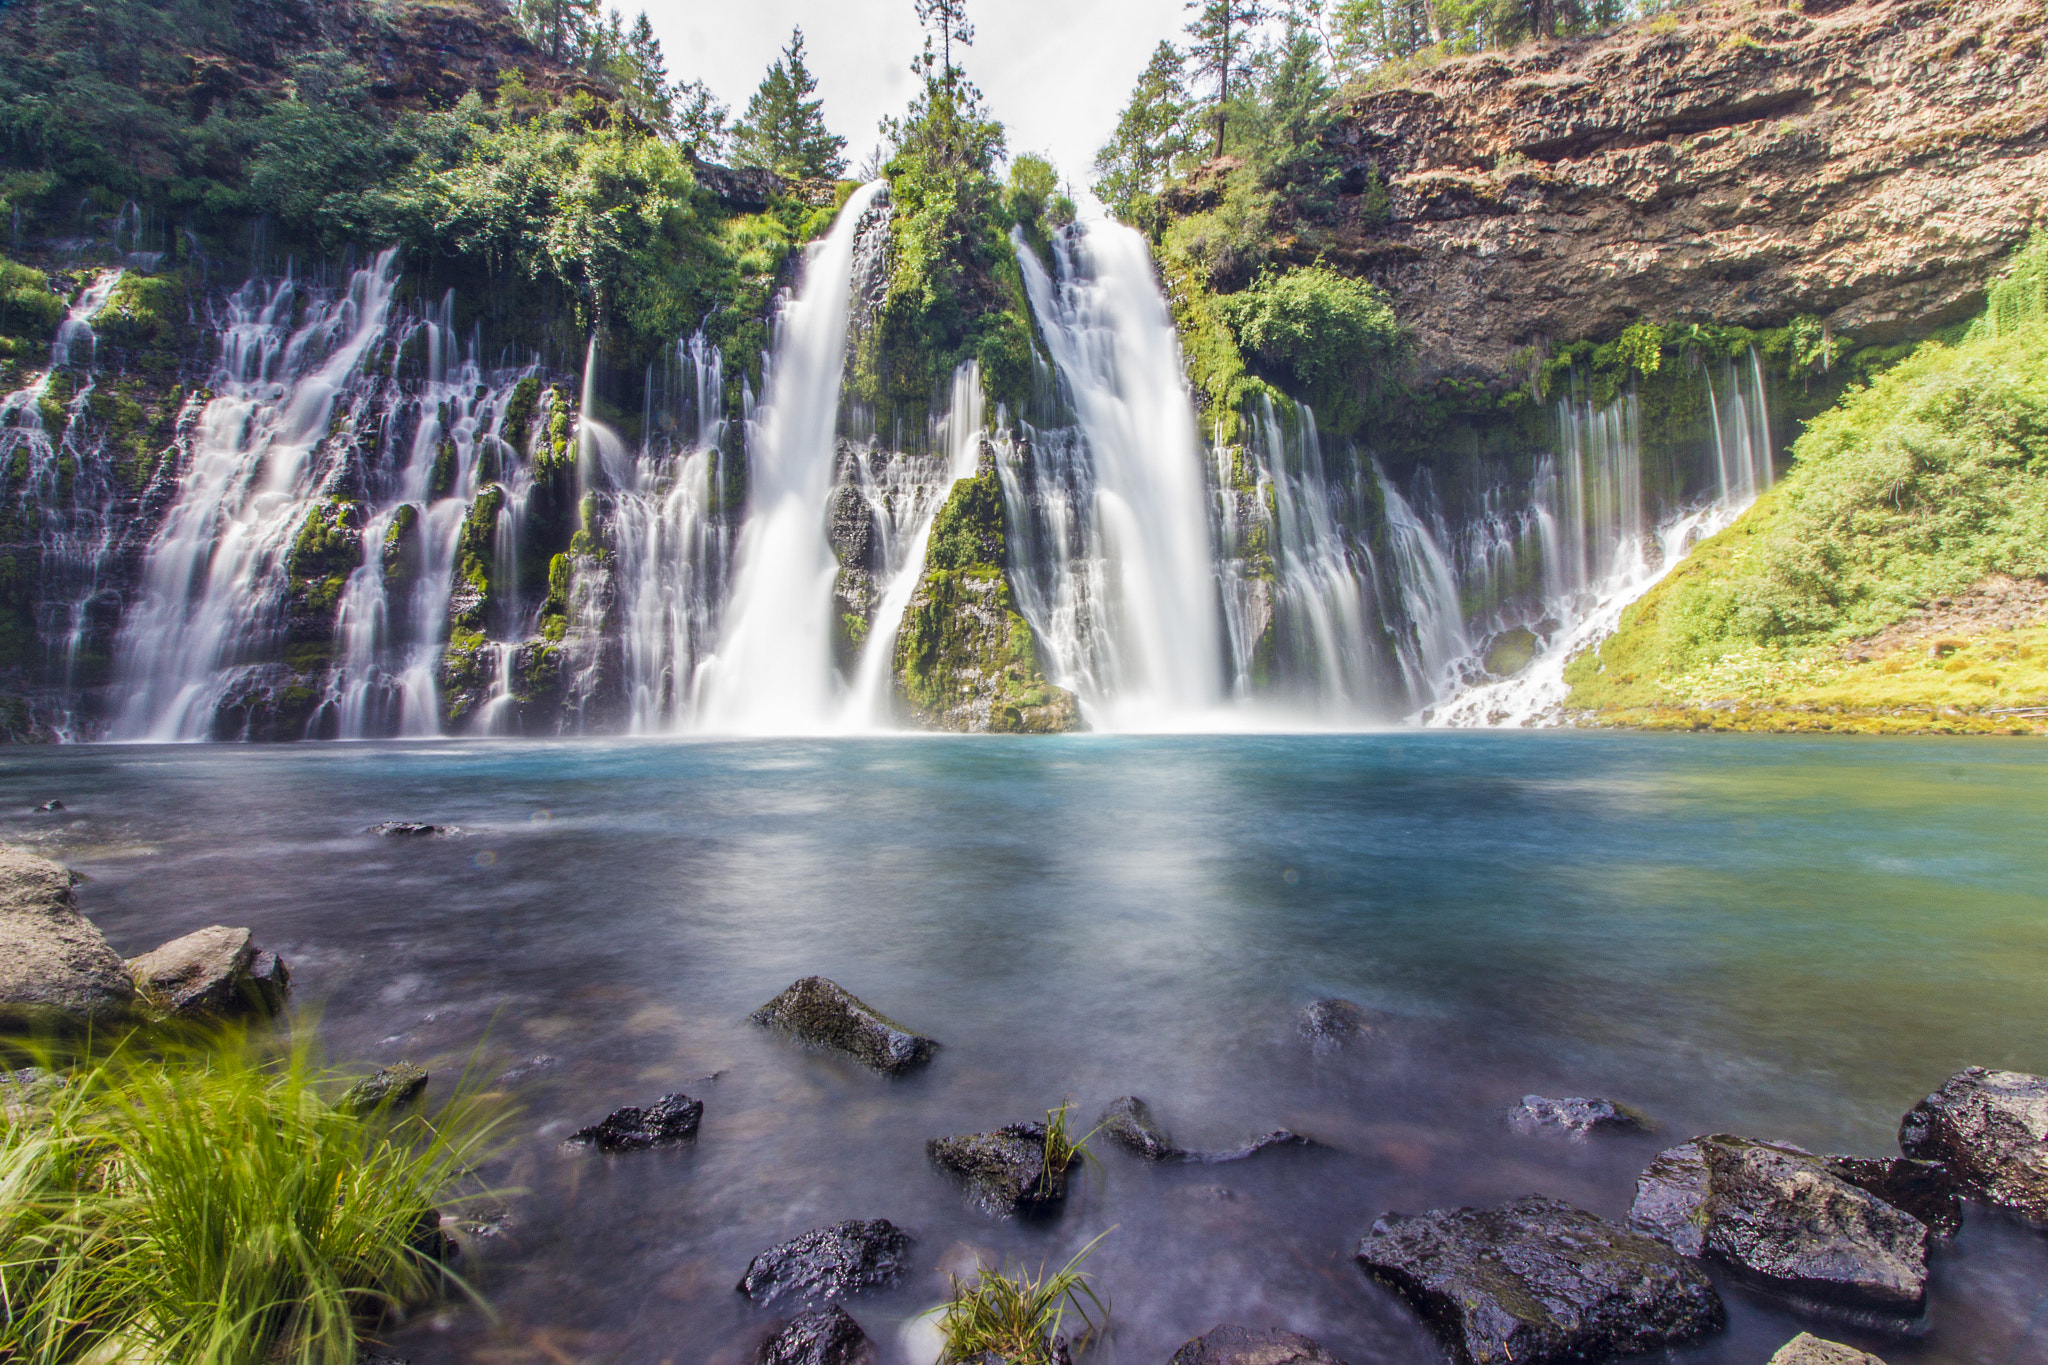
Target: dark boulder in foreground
(830, 1263)
(824, 1014)
(1537, 1281)
(213, 973)
(1232, 1345)
(393, 1087)
(823, 1336)
(1129, 1122)
(1577, 1117)
(1779, 1216)
(407, 829)
(1005, 1171)
(670, 1120)
(1808, 1349)
(57, 970)
(1991, 1129)
(1329, 1026)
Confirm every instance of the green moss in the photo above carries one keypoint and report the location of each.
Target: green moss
(516, 428)
(29, 309)
(401, 550)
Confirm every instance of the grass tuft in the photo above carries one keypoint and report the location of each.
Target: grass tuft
(1015, 1317)
(1062, 1148)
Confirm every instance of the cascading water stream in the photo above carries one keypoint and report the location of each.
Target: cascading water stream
(1134, 628)
(773, 670)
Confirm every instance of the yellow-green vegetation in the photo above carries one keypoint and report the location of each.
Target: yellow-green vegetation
(1932, 479)
(214, 1206)
(1062, 1147)
(1015, 1317)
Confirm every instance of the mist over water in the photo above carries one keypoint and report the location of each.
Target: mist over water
(1790, 938)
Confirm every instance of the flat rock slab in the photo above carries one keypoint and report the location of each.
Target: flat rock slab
(824, 1014)
(1577, 1117)
(1808, 1349)
(823, 1336)
(1004, 1171)
(1537, 1281)
(670, 1120)
(1130, 1123)
(211, 974)
(1991, 1129)
(830, 1263)
(1779, 1216)
(390, 1088)
(1233, 1345)
(57, 970)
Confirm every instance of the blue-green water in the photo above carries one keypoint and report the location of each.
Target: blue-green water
(1780, 937)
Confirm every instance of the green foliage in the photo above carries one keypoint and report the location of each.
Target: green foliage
(1927, 481)
(1328, 337)
(211, 1206)
(1641, 347)
(783, 129)
(967, 532)
(1151, 138)
(1014, 1317)
(516, 427)
(29, 308)
(1222, 40)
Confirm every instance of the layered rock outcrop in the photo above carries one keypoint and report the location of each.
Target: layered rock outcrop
(1868, 163)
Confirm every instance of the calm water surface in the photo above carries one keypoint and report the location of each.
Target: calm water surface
(1779, 937)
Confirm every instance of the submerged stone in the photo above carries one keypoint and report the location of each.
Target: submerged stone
(1577, 1117)
(823, 1336)
(1329, 1026)
(1005, 1171)
(825, 1014)
(213, 973)
(1780, 1217)
(1233, 1345)
(1990, 1128)
(670, 1120)
(1808, 1349)
(406, 829)
(389, 1088)
(49, 807)
(830, 1263)
(1537, 1281)
(1128, 1122)
(57, 970)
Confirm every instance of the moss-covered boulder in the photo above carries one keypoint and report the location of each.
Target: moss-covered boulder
(966, 659)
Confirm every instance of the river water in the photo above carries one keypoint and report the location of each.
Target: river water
(1780, 937)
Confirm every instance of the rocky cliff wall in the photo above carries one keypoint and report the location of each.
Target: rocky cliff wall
(1868, 163)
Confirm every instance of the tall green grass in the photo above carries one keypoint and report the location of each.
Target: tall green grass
(1015, 1317)
(212, 1208)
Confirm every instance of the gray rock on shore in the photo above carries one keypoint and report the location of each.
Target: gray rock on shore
(830, 1263)
(1539, 1282)
(1005, 1171)
(1780, 1217)
(825, 1014)
(57, 970)
(1577, 1117)
(214, 973)
(823, 1336)
(1232, 1345)
(1991, 1129)
(1808, 1349)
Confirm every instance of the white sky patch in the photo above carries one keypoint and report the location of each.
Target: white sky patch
(1056, 72)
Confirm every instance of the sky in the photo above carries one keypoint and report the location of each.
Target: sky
(1056, 72)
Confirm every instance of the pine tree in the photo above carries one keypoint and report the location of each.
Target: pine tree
(783, 130)
(1150, 136)
(642, 76)
(700, 121)
(1222, 48)
(949, 19)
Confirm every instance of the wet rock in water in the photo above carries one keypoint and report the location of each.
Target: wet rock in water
(1279, 1137)
(540, 1061)
(825, 1014)
(1538, 1281)
(1005, 1171)
(1329, 1026)
(380, 1358)
(1808, 1349)
(27, 1090)
(823, 1336)
(57, 970)
(390, 1088)
(211, 974)
(1128, 1122)
(1577, 1117)
(1233, 1345)
(49, 807)
(1777, 1215)
(830, 1263)
(407, 829)
(1991, 1129)
(669, 1120)
(1925, 1189)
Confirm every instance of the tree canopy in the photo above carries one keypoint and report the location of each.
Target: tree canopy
(784, 129)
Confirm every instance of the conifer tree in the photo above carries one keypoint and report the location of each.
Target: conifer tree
(1221, 49)
(948, 18)
(783, 129)
(1150, 136)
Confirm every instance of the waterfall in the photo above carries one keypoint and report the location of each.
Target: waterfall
(773, 670)
(1141, 642)
(1597, 557)
(958, 434)
(1429, 650)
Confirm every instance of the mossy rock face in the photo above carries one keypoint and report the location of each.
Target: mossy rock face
(1509, 652)
(965, 659)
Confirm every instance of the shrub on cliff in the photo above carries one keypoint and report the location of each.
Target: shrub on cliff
(1929, 480)
(1326, 337)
